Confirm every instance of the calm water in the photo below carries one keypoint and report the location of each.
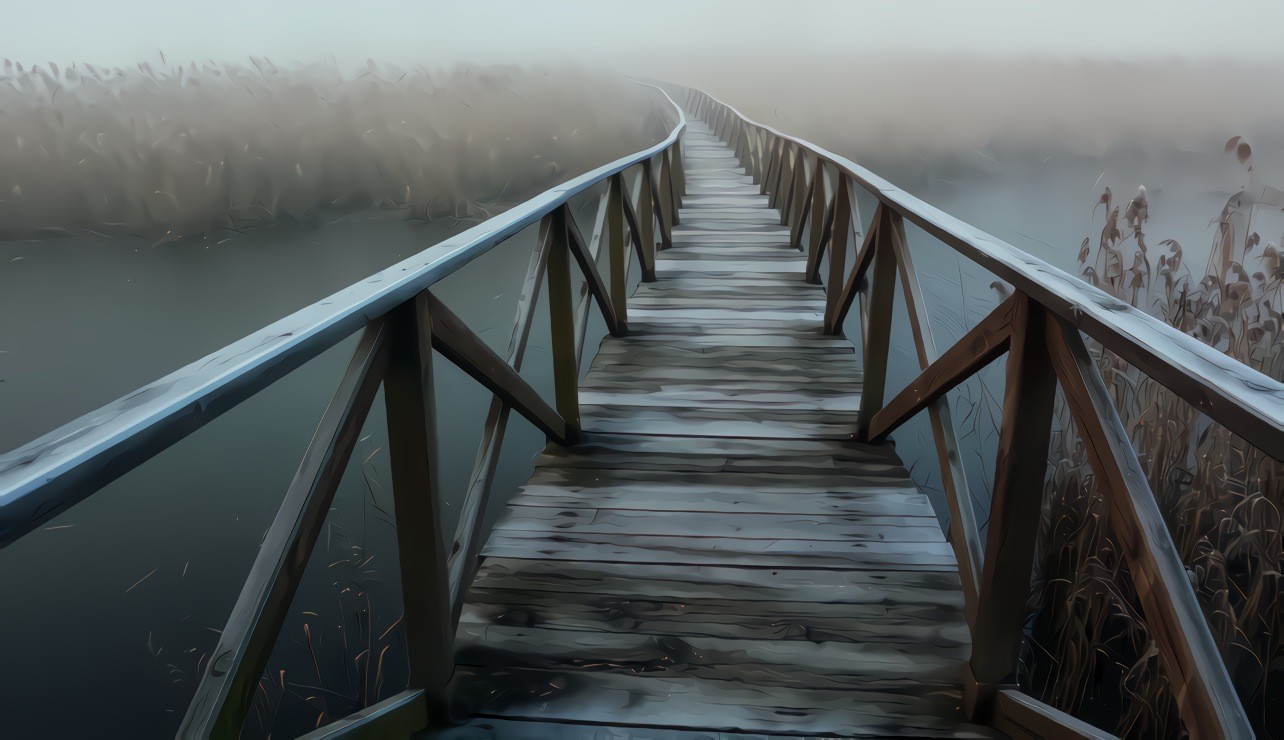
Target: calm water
(112, 605)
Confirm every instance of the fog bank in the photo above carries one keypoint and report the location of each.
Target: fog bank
(177, 151)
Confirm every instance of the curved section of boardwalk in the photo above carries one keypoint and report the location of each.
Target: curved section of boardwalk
(715, 555)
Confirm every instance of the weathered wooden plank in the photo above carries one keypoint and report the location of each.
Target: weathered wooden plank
(831, 527)
(854, 666)
(645, 700)
(809, 554)
(653, 395)
(698, 583)
(712, 453)
(770, 423)
(489, 728)
(919, 627)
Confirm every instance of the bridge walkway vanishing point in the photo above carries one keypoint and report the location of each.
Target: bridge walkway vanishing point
(715, 553)
(717, 540)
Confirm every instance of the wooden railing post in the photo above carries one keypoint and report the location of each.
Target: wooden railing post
(797, 186)
(677, 180)
(646, 216)
(668, 212)
(412, 447)
(878, 334)
(839, 230)
(778, 161)
(803, 207)
(1020, 467)
(817, 216)
(561, 308)
(616, 247)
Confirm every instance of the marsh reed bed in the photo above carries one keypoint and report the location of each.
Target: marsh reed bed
(1087, 649)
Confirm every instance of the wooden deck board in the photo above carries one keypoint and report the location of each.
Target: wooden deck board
(714, 555)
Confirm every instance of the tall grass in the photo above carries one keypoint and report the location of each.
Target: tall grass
(178, 151)
(1088, 649)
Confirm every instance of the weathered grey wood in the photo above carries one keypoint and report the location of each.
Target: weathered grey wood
(410, 404)
(927, 629)
(808, 554)
(489, 728)
(1023, 717)
(690, 702)
(877, 336)
(646, 257)
(592, 277)
(964, 533)
(227, 684)
(1247, 402)
(461, 346)
(468, 534)
(1020, 467)
(1206, 699)
(694, 493)
(615, 248)
(399, 715)
(831, 527)
(562, 322)
(835, 665)
(979, 347)
(878, 230)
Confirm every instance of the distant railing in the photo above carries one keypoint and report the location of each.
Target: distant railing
(1039, 327)
(401, 324)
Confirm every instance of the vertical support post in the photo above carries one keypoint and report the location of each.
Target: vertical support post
(679, 175)
(616, 247)
(796, 184)
(673, 175)
(668, 215)
(1020, 467)
(646, 215)
(777, 165)
(412, 447)
(769, 162)
(802, 207)
(817, 213)
(561, 308)
(878, 336)
(839, 231)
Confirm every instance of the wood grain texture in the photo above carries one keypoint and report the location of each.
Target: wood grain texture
(713, 554)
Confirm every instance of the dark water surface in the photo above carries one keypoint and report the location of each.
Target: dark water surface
(111, 607)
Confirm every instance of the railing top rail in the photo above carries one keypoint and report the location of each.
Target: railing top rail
(1244, 400)
(58, 469)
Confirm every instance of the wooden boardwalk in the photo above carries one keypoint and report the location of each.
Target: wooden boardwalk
(715, 556)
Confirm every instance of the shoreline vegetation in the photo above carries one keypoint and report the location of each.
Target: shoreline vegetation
(1088, 651)
(178, 151)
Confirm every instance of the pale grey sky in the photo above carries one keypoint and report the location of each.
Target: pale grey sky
(427, 32)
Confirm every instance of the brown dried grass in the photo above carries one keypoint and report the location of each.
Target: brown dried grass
(1088, 650)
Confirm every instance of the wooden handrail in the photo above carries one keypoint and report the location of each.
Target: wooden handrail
(402, 324)
(1039, 328)
(1245, 401)
(54, 472)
